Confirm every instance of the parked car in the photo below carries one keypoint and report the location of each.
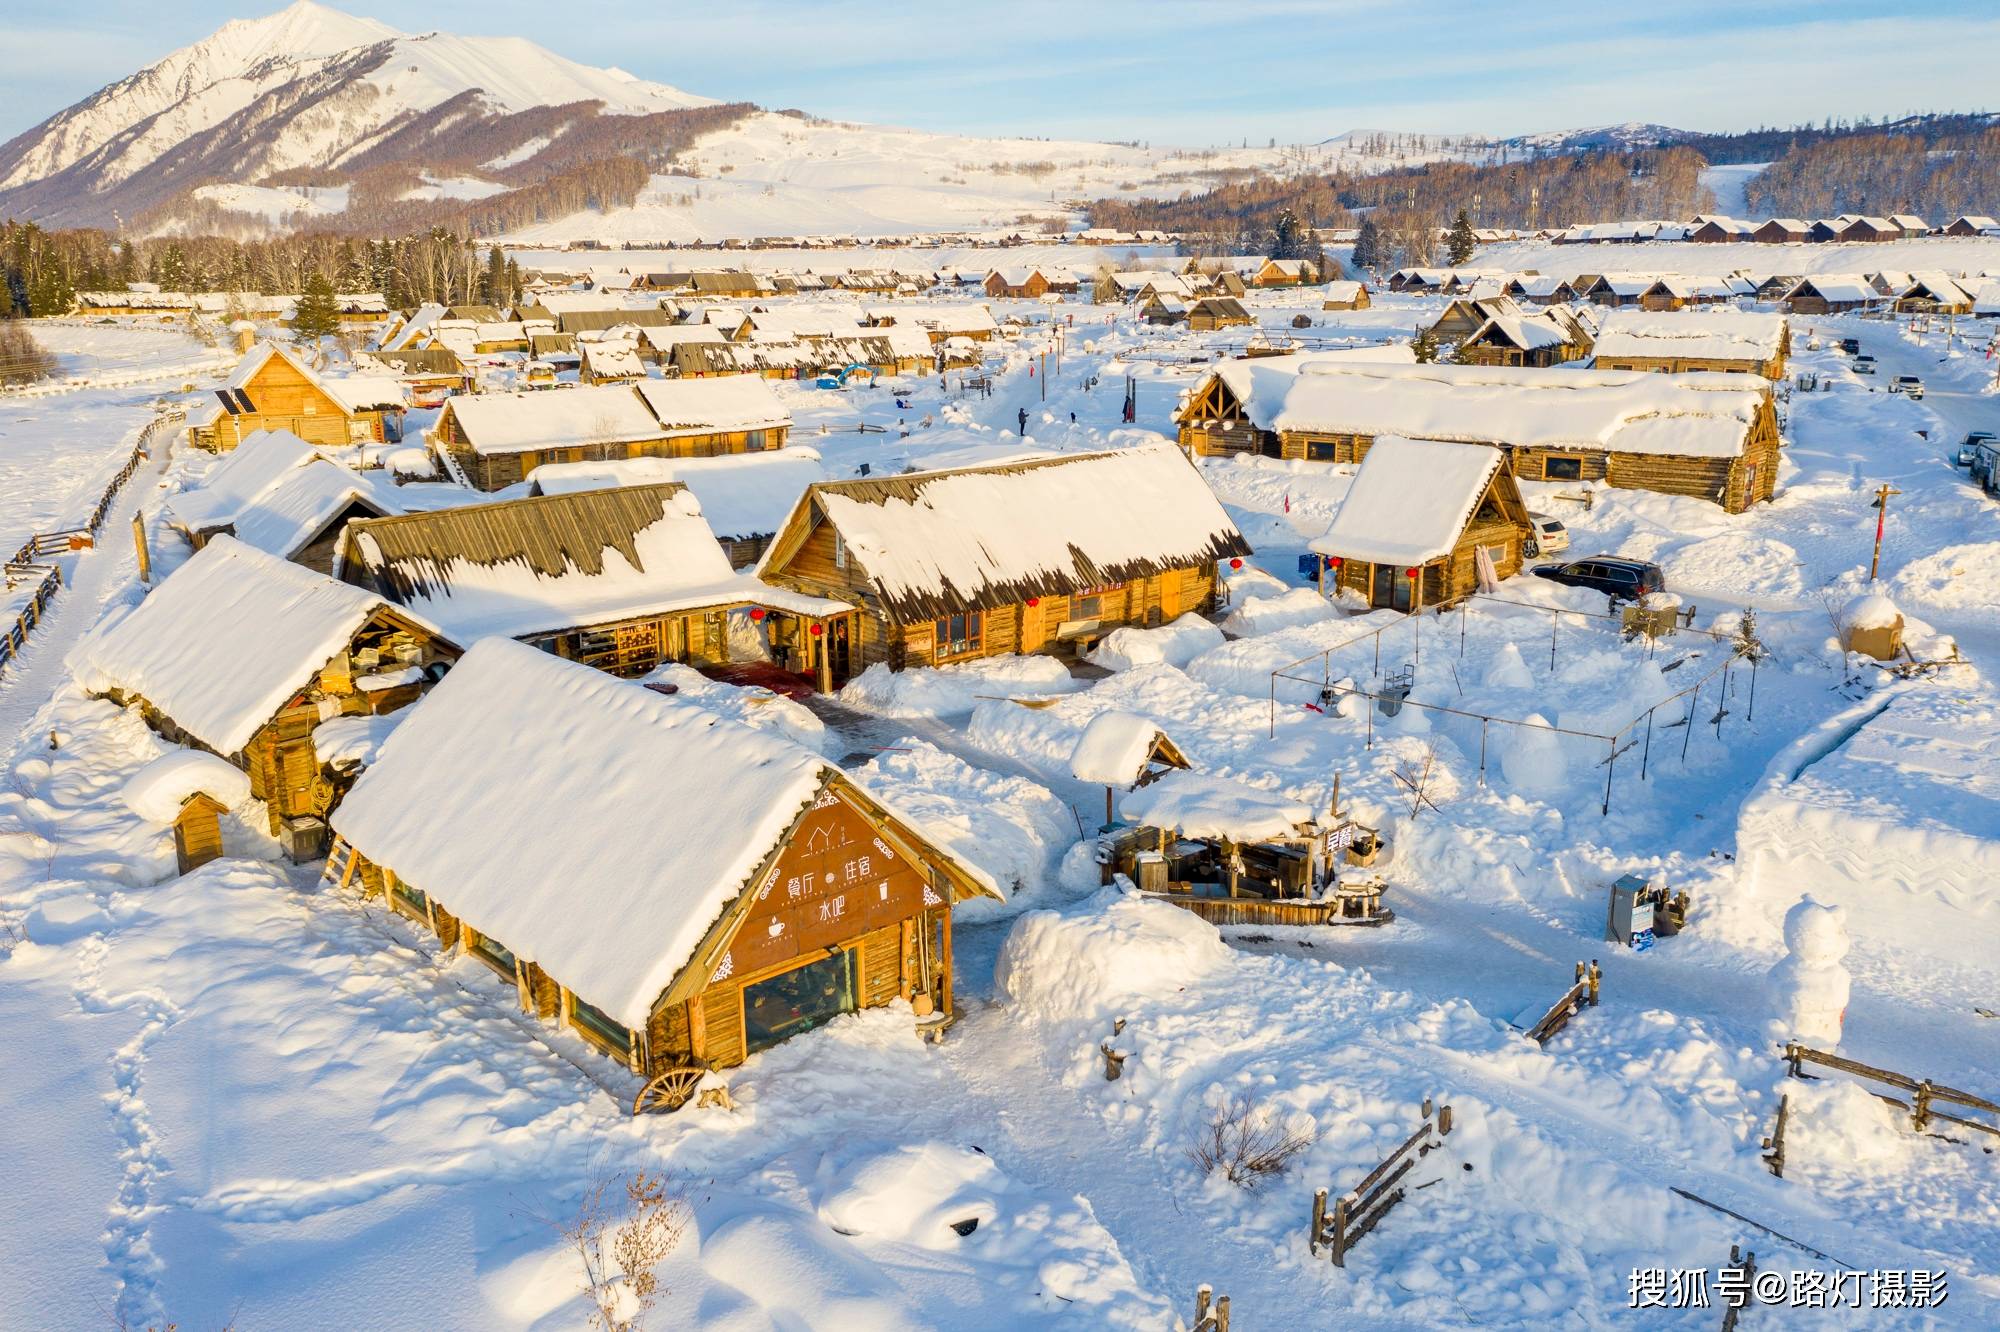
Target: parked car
(1864, 365)
(1619, 579)
(1546, 535)
(1970, 449)
(1908, 385)
(1852, 346)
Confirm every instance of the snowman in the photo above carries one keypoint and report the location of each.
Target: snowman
(1809, 985)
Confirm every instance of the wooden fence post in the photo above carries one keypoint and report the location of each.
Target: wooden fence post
(139, 543)
(1774, 1154)
(1339, 1239)
(1318, 1221)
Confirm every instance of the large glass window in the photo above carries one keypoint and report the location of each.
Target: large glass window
(492, 954)
(411, 900)
(798, 1000)
(960, 635)
(1562, 469)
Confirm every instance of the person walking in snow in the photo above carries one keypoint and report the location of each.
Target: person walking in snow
(1024, 422)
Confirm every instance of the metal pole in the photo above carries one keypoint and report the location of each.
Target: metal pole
(1463, 607)
(1689, 724)
(1722, 702)
(1609, 764)
(1378, 654)
(1371, 723)
(1646, 754)
(1482, 751)
(1554, 624)
(1750, 715)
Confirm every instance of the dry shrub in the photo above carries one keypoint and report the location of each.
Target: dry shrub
(621, 1231)
(1247, 1143)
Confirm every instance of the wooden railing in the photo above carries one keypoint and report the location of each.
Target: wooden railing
(1924, 1094)
(34, 560)
(1579, 996)
(1362, 1208)
(1210, 1314)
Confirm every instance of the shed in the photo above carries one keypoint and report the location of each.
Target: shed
(1123, 750)
(1345, 296)
(1426, 523)
(735, 889)
(191, 790)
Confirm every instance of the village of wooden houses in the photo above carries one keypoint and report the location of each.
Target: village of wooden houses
(986, 777)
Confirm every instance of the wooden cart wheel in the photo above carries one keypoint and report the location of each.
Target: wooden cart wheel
(668, 1091)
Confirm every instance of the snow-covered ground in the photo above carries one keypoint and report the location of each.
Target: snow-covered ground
(243, 1097)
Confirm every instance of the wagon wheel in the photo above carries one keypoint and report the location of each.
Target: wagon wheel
(669, 1090)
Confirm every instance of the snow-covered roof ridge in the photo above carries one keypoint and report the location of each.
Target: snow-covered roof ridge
(532, 420)
(999, 534)
(1410, 500)
(1706, 414)
(1694, 334)
(741, 494)
(235, 480)
(1116, 746)
(223, 642)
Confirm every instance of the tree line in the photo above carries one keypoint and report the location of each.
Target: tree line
(1881, 174)
(41, 270)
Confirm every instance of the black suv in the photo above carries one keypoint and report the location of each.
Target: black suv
(1621, 580)
(1852, 346)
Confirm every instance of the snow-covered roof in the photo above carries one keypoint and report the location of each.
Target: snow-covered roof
(934, 541)
(664, 337)
(741, 494)
(295, 512)
(157, 791)
(1116, 747)
(237, 478)
(549, 563)
(550, 419)
(1849, 288)
(1410, 501)
(1200, 805)
(1708, 335)
(1529, 332)
(613, 359)
(1631, 411)
(593, 826)
(222, 643)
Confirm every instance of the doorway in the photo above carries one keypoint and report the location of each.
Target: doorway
(1390, 587)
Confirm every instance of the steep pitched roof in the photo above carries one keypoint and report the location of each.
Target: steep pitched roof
(1410, 501)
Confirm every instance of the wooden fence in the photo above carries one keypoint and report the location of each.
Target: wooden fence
(1924, 1097)
(34, 560)
(1210, 1314)
(1579, 996)
(1362, 1208)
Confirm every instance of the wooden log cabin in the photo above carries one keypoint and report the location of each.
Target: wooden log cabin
(1283, 273)
(759, 891)
(1711, 436)
(272, 389)
(1738, 341)
(1216, 312)
(1018, 283)
(1542, 338)
(1832, 293)
(620, 579)
(1345, 296)
(1425, 523)
(1043, 556)
(498, 438)
(244, 655)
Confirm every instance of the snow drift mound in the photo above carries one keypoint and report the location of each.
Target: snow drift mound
(1116, 949)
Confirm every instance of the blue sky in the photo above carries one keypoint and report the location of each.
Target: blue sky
(1195, 72)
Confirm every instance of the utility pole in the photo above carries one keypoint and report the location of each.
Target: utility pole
(1881, 506)
(1045, 375)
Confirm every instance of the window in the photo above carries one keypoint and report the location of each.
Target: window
(596, 1024)
(960, 635)
(492, 954)
(1089, 603)
(839, 551)
(1562, 469)
(409, 900)
(1319, 450)
(796, 1001)
(753, 441)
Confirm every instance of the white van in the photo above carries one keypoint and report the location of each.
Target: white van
(1547, 535)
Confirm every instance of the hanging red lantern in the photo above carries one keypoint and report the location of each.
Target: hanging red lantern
(1411, 572)
(756, 612)
(1333, 562)
(1034, 601)
(818, 629)
(1236, 564)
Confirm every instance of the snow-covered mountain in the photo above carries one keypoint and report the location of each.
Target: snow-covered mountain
(312, 117)
(305, 89)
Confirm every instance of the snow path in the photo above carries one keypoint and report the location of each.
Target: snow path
(88, 582)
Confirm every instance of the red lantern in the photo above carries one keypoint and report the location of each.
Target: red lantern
(1236, 564)
(1034, 601)
(756, 612)
(818, 629)
(1411, 572)
(1333, 562)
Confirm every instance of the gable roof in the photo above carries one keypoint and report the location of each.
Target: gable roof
(297, 511)
(548, 563)
(1410, 501)
(222, 643)
(935, 542)
(741, 494)
(1706, 335)
(237, 478)
(673, 812)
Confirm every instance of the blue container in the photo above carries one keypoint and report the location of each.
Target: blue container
(1309, 566)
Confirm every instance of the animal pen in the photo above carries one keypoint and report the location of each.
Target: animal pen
(1391, 693)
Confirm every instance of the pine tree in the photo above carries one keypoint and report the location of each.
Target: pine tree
(493, 282)
(1368, 246)
(1290, 239)
(1425, 347)
(1461, 242)
(317, 313)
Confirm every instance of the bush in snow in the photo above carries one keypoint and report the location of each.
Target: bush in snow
(1248, 1143)
(620, 1232)
(1809, 986)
